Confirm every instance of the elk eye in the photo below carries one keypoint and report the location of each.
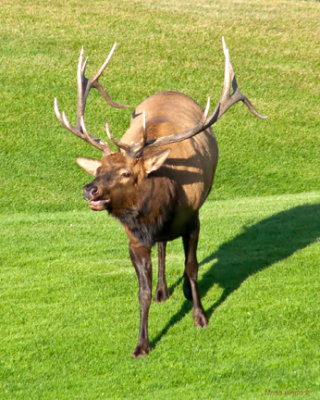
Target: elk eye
(126, 174)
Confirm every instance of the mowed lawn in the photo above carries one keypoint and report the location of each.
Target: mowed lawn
(69, 313)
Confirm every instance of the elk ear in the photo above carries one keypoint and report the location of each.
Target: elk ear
(90, 165)
(155, 161)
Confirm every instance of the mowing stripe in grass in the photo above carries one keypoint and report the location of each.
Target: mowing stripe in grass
(69, 308)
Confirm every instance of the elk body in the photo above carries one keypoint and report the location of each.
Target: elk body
(158, 180)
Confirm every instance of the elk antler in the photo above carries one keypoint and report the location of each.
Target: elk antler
(226, 101)
(134, 149)
(84, 87)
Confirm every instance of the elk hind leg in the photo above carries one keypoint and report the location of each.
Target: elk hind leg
(190, 243)
(162, 292)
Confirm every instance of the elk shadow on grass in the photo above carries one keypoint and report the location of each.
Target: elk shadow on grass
(256, 248)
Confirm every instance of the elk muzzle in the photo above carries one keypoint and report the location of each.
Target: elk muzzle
(91, 192)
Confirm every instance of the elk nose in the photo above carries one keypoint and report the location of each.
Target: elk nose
(90, 191)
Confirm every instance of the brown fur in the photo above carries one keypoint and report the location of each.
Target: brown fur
(192, 163)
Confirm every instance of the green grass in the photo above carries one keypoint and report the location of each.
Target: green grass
(69, 307)
(162, 45)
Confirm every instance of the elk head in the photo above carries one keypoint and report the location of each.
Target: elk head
(118, 179)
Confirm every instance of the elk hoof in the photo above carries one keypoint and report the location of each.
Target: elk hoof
(140, 351)
(200, 319)
(162, 294)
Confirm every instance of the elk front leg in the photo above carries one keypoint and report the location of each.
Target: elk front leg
(162, 292)
(141, 259)
(190, 243)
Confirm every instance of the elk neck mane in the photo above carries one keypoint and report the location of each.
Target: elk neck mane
(152, 209)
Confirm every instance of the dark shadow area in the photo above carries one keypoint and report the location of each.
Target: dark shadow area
(258, 247)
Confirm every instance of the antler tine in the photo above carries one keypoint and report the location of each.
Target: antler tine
(64, 120)
(104, 65)
(84, 86)
(227, 99)
(144, 127)
(57, 111)
(94, 83)
(83, 134)
(231, 77)
(228, 70)
(99, 144)
(81, 83)
(136, 148)
(120, 145)
(83, 70)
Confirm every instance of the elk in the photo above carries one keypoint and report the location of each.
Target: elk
(157, 181)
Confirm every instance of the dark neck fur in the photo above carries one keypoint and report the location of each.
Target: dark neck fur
(155, 203)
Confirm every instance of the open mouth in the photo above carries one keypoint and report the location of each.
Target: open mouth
(99, 205)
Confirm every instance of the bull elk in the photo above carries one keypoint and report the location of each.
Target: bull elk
(157, 181)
